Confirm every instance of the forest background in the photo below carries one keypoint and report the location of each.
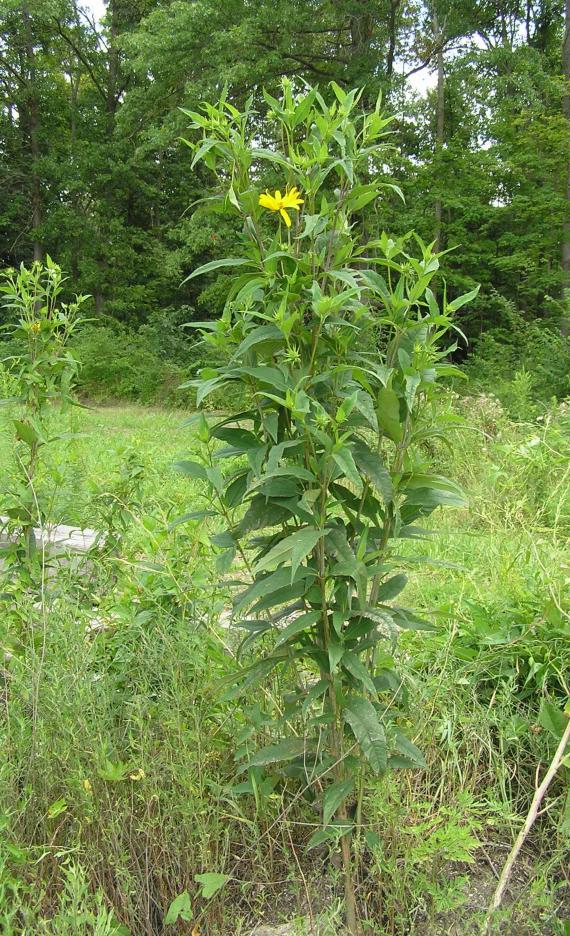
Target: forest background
(93, 172)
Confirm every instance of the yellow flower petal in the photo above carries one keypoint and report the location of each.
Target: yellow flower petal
(285, 217)
(138, 774)
(267, 201)
(292, 199)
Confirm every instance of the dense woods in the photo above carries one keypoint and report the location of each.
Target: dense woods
(93, 171)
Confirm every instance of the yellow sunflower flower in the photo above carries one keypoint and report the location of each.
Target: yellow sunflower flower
(279, 202)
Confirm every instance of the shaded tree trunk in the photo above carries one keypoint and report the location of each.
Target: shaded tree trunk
(33, 120)
(392, 38)
(439, 125)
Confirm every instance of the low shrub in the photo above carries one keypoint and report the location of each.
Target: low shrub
(123, 365)
(525, 361)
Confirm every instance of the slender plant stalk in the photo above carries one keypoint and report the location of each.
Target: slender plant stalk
(529, 822)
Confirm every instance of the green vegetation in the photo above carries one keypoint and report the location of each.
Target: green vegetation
(94, 173)
(215, 714)
(339, 342)
(130, 658)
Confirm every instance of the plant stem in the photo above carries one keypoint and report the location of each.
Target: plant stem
(529, 822)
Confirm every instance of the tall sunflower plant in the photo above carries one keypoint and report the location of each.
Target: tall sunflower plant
(340, 340)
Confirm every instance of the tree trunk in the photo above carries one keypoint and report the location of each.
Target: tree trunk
(113, 67)
(33, 115)
(566, 110)
(392, 37)
(439, 126)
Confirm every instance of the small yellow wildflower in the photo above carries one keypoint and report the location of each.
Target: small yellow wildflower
(137, 774)
(279, 202)
(36, 328)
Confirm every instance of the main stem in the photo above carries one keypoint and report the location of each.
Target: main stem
(337, 752)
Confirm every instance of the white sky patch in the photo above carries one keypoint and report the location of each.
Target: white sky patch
(96, 8)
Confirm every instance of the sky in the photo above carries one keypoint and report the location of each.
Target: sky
(420, 82)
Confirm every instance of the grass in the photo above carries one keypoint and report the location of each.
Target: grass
(118, 782)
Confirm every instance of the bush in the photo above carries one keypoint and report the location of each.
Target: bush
(123, 365)
(527, 363)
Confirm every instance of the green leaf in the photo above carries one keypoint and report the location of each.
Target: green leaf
(356, 668)
(211, 883)
(179, 909)
(57, 808)
(332, 833)
(259, 335)
(462, 300)
(552, 719)
(390, 589)
(334, 796)
(25, 432)
(191, 469)
(408, 749)
(336, 651)
(363, 719)
(297, 626)
(216, 265)
(274, 753)
(345, 461)
(293, 548)
(373, 468)
(389, 413)
(315, 692)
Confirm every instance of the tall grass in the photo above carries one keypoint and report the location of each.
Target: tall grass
(117, 779)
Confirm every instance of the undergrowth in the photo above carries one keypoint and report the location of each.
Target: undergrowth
(117, 782)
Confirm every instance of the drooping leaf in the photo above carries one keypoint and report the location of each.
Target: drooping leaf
(363, 719)
(300, 624)
(358, 670)
(293, 548)
(389, 413)
(335, 795)
(274, 753)
(192, 469)
(552, 718)
(392, 588)
(345, 461)
(373, 468)
(408, 749)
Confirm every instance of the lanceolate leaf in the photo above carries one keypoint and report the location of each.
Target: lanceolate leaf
(389, 413)
(356, 668)
(274, 753)
(192, 469)
(363, 719)
(300, 624)
(334, 797)
(216, 265)
(392, 587)
(372, 466)
(293, 548)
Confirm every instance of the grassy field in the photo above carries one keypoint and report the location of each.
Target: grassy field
(118, 782)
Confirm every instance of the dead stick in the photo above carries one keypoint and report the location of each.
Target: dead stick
(532, 814)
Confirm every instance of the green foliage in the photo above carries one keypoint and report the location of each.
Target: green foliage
(120, 364)
(337, 340)
(93, 173)
(130, 668)
(525, 362)
(42, 375)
